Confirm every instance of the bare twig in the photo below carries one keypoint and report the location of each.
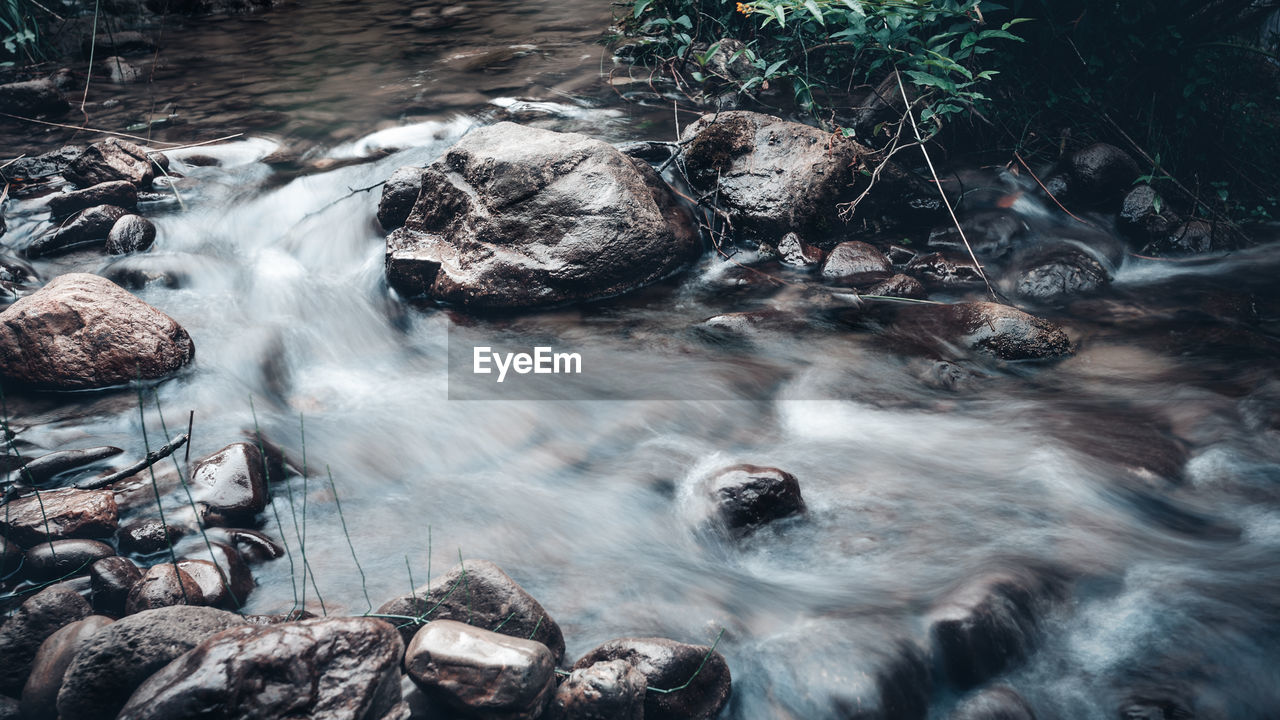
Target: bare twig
(151, 459)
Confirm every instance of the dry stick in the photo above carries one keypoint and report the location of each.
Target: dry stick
(338, 502)
(266, 472)
(945, 200)
(155, 487)
(151, 459)
(1046, 190)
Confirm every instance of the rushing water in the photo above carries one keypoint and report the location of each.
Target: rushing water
(1144, 467)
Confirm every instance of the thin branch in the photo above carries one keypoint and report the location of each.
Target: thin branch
(151, 459)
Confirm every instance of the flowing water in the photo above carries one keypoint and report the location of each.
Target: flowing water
(1144, 467)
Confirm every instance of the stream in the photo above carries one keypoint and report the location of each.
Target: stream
(1144, 466)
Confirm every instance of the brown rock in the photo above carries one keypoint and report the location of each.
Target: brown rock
(112, 159)
(120, 193)
(148, 535)
(130, 234)
(1001, 331)
(40, 695)
(32, 98)
(855, 263)
(39, 617)
(48, 561)
(60, 515)
(82, 331)
(899, 286)
(612, 690)
(111, 579)
(796, 252)
(163, 586)
(90, 226)
(669, 664)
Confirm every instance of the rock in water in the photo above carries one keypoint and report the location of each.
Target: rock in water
(773, 176)
(514, 217)
(106, 672)
(161, 586)
(399, 195)
(1001, 331)
(668, 664)
(61, 514)
(612, 690)
(481, 673)
(338, 669)
(994, 703)
(231, 484)
(60, 558)
(91, 225)
(481, 594)
(744, 497)
(856, 262)
(112, 159)
(131, 233)
(120, 193)
(81, 331)
(34, 97)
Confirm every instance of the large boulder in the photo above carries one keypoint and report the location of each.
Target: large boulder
(514, 216)
(20, 638)
(772, 176)
(337, 668)
(60, 514)
(666, 665)
(81, 331)
(480, 673)
(1001, 331)
(106, 672)
(40, 694)
(112, 159)
(479, 593)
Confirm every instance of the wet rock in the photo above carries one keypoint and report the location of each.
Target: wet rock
(231, 484)
(942, 270)
(60, 558)
(162, 586)
(17, 271)
(213, 590)
(46, 467)
(1001, 331)
(11, 557)
(744, 497)
(81, 331)
(772, 176)
(255, 547)
(40, 616)
(10, 709)
(339, 668)
(751, 322)
(996, 703)
(111, 579)
(109, 160)
(40, 695)
(1101, 174)
(399, 195)
(33, 98)
(119, 193)
(120, 71)
(899, 286)
(119, 42)
(991, 234)
(730, 61)
(136, 272)
(480, 593)
(514, 216)
(481, 673)
(42, 166)
(130, 234)
(106, 672)
(612, 690)
(1146, 708)
(88, 226)
(60, 515)
(988, 624)
(1062, 273)
(223, 577)
(148, 535)
(1194, 237)
(1144, 216)
(796, 252)
(668, 664)
(856, 263)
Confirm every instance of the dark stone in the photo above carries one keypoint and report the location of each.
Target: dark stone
(899, 255)
(46, 467)
(1101, 174)
(340, 668)
(1194, 237)
(996, 703)
(669, 664)
(207, 7)
(120, 193)
(1144, 216)
(988, 624)
(231, 484)
(255, 547)
(991, 234)
(771, 175)
(119, 42)
(60, 515)
(33, 98)
(148, 535)
(797, 253)
(111, 579)
(48, 561)
(120, 71)
(1147, 708)
(130, 234)
(112, 159)
(399, 195)
(40, 695)
(17, 271)
(42, 166)
(40, 616)
(1001, 331)
(939, 270)
(899, 286)
(88, 226)
(136, 272)
(515, 217)
(1062, 273)
(481, 594)
(744, 497)
(162, 586)
(10, 557)
(481, 673)
(106, 672)
(208, 577)
(223, 577)
(856, 263)
(81, 331)
(611, 690)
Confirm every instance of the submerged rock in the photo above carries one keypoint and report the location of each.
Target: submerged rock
(612, 690)
(120, 193)
(106, 672)
(1062, 273)
(668, 664)
(1001, 331)
(481, 673)
(129, 234)
(944, 270)
(1194, 237)
(59, 515)
(112, 159)
(996, 703)
(336, 668)
(82, 331)
(40, 695)
(515, 217)
(32, 98)
(39, 617)
(771, 175)
(899, 286)
(744, 497)
(478, 592)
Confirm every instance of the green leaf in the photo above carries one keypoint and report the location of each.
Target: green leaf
(641, 6)
(812, 7)
(781, 13)
(685, 21)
